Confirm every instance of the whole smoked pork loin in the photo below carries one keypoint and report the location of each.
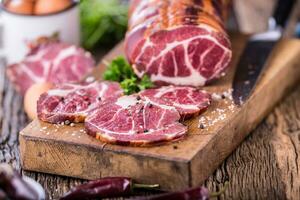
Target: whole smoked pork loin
(180, 42)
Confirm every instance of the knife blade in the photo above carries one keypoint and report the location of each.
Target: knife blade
(254, 58)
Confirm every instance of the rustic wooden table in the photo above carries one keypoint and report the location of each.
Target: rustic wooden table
(265, 166)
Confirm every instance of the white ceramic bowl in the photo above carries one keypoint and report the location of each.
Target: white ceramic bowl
(19, 29)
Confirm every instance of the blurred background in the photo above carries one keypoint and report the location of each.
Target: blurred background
(248, 16)
(103, 22)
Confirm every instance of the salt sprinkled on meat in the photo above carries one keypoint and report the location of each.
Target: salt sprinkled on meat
(127, 101)
(90, 79)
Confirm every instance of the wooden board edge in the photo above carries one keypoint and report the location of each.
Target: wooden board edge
(250, 118)
(95, 144)
(100, 163)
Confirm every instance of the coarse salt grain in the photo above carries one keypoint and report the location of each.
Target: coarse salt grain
(219, 96)
(228, 93)
(216, 97)
(90, 79)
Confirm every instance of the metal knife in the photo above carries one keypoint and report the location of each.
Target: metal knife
(255, 56)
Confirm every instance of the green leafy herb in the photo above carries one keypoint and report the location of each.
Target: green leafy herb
(130, 86)
(145, 83)
(119, 70)
(103, 22)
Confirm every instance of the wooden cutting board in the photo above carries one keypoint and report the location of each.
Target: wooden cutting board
(68, 151)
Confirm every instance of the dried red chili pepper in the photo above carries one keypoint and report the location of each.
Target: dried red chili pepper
(105, 188)
(13, 186)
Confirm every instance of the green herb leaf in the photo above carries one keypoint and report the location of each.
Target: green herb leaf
(120, 70)
(145, 83)
(130, 86)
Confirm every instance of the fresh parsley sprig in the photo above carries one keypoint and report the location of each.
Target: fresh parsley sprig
(120, 70)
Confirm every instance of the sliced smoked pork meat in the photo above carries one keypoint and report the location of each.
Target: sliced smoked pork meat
(54, 62)
(180, 42)
(133, 121)
(72, 102)
(188, 101)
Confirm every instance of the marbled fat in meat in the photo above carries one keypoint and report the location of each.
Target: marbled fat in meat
(188, 101)
(180, 42)
(73, 102)
(133, 121)
(54, 62)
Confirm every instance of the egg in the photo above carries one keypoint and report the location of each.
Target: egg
(31, 97)
(46, 6)
(20, 6)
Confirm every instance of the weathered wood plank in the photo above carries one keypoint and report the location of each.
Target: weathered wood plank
(263, 167)
(253, 170)
(266, 165)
